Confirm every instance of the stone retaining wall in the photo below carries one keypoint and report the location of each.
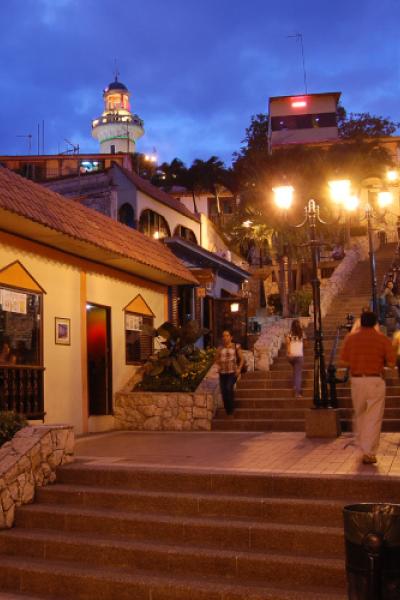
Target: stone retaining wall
(169, 411)
(172, 411)
(30, 460)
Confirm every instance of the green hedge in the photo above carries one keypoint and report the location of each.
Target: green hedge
(10, 423)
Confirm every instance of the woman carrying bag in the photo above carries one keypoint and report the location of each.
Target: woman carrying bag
(230, 362)
(295, 355)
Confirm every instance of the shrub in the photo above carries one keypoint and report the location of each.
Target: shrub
(300, 301)
(169, 381)
(10, 423)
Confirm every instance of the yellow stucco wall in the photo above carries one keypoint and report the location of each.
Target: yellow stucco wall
(63, 387)
(108, 291)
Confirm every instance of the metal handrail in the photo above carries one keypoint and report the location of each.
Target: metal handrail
(332, 369)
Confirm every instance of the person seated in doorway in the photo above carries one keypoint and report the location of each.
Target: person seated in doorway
(338, 252)
(392, 302)
(7, 356)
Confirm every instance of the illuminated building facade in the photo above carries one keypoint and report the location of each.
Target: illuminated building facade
(305, 119)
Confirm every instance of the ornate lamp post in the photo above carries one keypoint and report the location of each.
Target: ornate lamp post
(384, 199)
(283, 199)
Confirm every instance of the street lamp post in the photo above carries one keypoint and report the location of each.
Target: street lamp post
(321, 399)
(341, 194)
(372, 261)
(283, 199)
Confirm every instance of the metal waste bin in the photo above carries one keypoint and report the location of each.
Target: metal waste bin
(372, 536)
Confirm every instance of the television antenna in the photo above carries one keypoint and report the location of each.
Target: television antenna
(299, 38)
(71, 148)
(29, 138)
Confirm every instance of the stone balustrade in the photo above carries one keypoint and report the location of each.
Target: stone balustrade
(271, 338)
(30, 460)
(331, 287)
(273, 333)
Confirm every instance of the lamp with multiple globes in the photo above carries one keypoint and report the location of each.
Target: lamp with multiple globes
(283, 200)
(384, 200)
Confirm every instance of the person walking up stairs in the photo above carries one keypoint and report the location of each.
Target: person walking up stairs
(264, 400)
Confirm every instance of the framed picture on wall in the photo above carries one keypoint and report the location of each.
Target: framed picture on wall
(63, 331)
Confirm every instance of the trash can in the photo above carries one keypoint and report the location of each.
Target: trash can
(372, 537)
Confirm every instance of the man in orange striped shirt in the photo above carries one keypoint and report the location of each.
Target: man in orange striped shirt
(366, 353)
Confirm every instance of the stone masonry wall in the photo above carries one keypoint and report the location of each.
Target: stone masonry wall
(169, 411)
(30, 460)
(172, 411)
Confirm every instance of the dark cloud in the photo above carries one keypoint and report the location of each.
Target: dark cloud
(197, 70)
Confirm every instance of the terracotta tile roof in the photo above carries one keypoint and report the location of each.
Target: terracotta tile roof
(41, 205)
(148, 188)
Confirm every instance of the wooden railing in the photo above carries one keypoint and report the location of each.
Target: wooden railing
(21, 390)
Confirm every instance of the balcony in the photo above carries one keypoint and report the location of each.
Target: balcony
(21, 390)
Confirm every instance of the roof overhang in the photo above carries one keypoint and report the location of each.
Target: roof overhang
(31, 230)
(197, 257)
(336, 95)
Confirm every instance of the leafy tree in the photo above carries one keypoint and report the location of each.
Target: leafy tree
(169, 174)
(358, 126)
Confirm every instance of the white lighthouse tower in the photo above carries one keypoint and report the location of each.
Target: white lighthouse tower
(117, 129)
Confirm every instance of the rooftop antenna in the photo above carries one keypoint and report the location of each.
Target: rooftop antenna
(29, 138)
(116, 70)
(299, 38)
(74, 148)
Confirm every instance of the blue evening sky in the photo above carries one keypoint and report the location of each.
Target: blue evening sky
(197, 69)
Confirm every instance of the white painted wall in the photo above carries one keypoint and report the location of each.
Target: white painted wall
(173, 217)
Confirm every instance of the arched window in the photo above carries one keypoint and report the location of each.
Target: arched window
(185, 233)
(126, 215)
(153, 225)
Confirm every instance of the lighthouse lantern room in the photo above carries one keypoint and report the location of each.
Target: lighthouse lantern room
(117, 129)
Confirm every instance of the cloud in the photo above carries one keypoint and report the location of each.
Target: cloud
(51, 11)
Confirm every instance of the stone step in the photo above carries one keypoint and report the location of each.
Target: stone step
(71, 581)
(207, 532)
(260, 425)
(273, 510)
(183, 481)
(278, 393)
(257, 414)
(187, 560)
(392, 402)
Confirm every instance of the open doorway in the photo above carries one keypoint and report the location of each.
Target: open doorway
(99, 359)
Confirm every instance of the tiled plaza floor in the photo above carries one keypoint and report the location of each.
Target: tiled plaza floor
(267, 452)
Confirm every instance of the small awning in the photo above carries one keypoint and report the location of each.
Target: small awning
(195, 257)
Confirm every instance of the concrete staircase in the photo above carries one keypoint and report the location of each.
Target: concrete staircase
(265, 402)
(118, 533)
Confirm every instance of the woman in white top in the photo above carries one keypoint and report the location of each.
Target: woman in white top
(295, 355)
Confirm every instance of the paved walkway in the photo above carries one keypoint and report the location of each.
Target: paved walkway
(268, 452)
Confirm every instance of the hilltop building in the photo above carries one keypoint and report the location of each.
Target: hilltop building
(302, 119)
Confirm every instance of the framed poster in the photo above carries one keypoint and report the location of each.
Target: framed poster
(63, 331)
